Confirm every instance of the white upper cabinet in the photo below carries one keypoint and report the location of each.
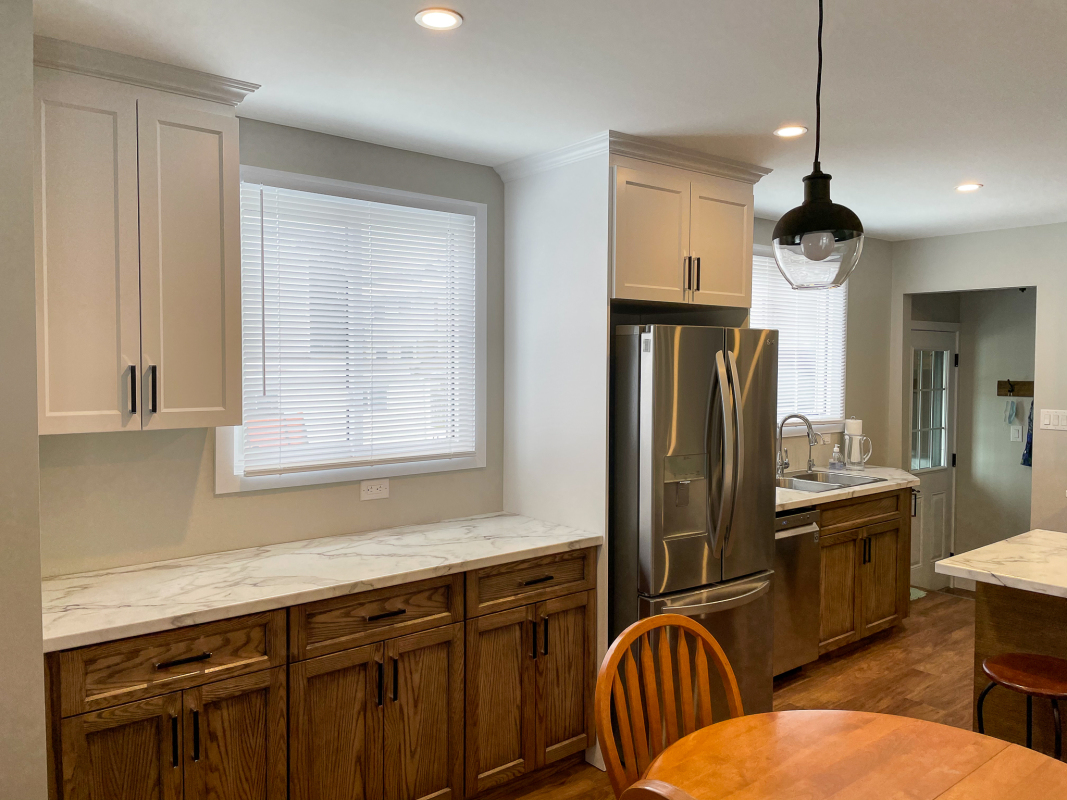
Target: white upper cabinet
(138, 246)
(681, 236)
(88, 322)
(190, 267)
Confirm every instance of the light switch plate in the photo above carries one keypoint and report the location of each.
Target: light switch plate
(374, 490)
(1053, 419)
(1016, 433)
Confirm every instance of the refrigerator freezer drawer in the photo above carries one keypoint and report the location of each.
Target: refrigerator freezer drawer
(739, 615)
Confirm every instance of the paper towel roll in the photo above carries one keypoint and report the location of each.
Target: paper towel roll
(853, 426)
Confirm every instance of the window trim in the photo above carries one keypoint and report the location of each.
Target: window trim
(227, 480)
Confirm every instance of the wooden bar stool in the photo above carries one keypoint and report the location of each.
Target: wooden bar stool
(1034, 676)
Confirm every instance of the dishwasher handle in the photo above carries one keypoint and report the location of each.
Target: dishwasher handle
(720, 605)
(788, 533)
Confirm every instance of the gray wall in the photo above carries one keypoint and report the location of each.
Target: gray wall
(123, 498)
(997, 331)
(22, 740)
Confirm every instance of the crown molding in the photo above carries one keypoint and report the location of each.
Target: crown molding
(71, 57)
(642, 149)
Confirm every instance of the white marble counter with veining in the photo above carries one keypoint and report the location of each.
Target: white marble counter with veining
(104, 605)
(1035, 562)
(895, 479)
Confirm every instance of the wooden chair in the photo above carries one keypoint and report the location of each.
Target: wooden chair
(646, 718)
(655, 790)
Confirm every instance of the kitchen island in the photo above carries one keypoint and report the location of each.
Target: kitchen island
(1021, 606)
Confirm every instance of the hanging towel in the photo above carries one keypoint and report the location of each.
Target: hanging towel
(1028, 449)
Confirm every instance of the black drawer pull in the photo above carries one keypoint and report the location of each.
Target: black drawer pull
(133, 388)
(174, 742)
(179, 661)
(535, 581)
(386, 614)
(381, 684)
(152, 397)
(196, 736)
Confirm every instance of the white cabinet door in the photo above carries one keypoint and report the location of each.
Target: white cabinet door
(651, 235)
(85, 221)
(190, 267)
(721, 242)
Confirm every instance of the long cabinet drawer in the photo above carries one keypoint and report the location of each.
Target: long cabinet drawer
(105, 675)
(505, 586)
(857, 513)
(330, 626)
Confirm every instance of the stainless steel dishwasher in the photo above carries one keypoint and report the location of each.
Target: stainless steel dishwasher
(796, 589)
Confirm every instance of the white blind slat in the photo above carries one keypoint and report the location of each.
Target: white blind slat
(358, 332)
(811, 343)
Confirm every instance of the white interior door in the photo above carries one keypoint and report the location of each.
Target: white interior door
(932, 414)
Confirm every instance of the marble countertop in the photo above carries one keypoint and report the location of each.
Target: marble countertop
(105, 605)
(1034, 561)
(787, 499)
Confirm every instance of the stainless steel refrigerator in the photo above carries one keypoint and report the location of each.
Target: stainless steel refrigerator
(693, 488)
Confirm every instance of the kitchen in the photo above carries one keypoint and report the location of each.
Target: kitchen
(159, 512)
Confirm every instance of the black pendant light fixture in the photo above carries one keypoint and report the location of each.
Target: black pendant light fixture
(818, 243)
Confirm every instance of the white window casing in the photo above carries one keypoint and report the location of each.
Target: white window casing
(364, 341)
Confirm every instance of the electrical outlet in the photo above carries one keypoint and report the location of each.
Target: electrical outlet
(374, 490)
(1016, 433)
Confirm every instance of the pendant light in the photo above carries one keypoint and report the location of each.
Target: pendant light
(818, 243)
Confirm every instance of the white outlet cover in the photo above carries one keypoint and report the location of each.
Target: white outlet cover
(374, 490)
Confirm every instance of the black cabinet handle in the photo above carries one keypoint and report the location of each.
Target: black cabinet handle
(535, 581)
(381, 684)
(179, 661)
(133, 388)
(152, 397)
(174, 742)
(544, 650)
(396, 679)
(387, 614)
(196, 736)
(698, 273)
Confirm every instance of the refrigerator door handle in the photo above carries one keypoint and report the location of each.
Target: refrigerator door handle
(720, 605)
(739, 436)
(726, 510)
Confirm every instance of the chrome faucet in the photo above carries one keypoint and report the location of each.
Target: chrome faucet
(782, 462)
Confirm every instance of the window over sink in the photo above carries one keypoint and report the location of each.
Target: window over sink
(363, 322)
(811, 346)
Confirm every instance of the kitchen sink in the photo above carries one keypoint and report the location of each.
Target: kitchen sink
(822, 481)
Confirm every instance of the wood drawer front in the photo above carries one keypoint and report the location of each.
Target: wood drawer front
(856, 513)
(507, 586)
(105, 675)
(330, 626)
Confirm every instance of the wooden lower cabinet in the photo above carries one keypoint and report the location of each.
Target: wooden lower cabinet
(884, 578)
(565, 676)
(839, 613)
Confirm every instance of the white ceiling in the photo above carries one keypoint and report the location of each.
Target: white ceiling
(918, 95)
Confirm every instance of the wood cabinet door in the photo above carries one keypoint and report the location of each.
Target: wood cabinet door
(651, 235)
(336, 705)
(128, 752)
(424, 715)
(720, 242)
(501, 652)
(564, 674)
(85, 224)
(235, 738)
(840, 612)
(883, 577)
(190, 267)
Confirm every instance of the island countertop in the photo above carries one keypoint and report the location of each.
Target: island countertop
(104, 605)
(1035, 561)
(894, 479)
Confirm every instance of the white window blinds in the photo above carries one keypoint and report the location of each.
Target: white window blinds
(359, 332)
(811, 346)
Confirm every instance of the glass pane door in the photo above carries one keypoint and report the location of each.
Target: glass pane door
(929, 409)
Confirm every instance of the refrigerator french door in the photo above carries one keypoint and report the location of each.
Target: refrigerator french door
(693, 487)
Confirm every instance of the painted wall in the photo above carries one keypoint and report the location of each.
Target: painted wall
(992, 487)
(22, 735)
(992, 260)
(866, 351)
(124, 498)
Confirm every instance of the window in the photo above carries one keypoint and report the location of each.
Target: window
(929, 409)
(363, 344)
(811, 346)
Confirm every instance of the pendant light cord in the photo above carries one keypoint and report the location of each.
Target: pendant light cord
(818, 97)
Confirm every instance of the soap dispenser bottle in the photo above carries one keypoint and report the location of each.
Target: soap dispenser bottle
(837, 461)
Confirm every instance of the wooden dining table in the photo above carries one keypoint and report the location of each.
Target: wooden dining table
(810, 755)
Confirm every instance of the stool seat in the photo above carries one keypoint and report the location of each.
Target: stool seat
(1027, 673)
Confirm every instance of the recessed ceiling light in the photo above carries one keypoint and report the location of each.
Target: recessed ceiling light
(968, 187)
(789, 131)
(439, 19)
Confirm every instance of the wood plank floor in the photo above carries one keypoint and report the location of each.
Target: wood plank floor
(920, 669)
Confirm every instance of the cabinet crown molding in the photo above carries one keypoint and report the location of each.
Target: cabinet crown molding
(637, 147)
(79, 58)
